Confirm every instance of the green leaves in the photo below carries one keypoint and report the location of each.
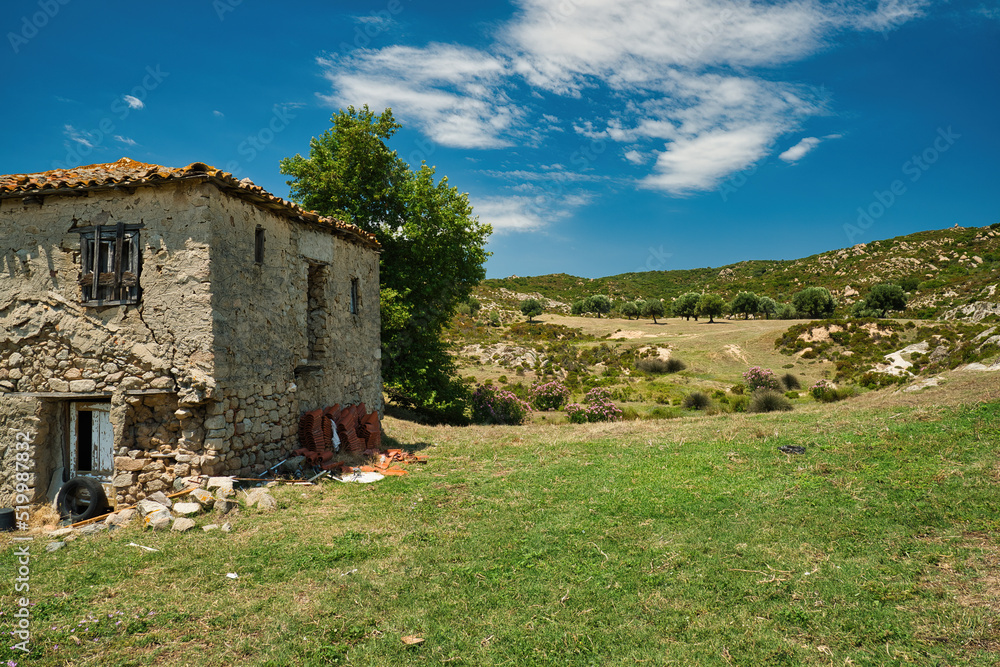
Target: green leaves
(433, 247)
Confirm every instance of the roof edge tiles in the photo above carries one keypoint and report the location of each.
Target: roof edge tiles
(130, 173)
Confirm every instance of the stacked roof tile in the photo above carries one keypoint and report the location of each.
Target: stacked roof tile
(128, 173)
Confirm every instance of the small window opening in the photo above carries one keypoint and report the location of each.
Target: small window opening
(316, 315)
(109, 264)
(85, 440)
(354, 296)
(258, 245)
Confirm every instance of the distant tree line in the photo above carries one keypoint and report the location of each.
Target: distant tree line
(811, 302)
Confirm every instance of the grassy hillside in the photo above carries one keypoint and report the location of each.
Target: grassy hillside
(667, 543)
(940, 270)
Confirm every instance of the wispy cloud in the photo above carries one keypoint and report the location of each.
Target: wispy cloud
(134, 102)
(799, 150)
(83, 138)
(218, 114)
(684, 81)
(125, 140)
(453, 93)
(510, 214)
(635, 157)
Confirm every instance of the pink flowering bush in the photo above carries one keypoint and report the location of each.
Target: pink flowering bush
(599, 408)
(498, 406)
(549, 396)
(761, 378)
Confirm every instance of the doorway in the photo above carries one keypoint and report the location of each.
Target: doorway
(91, 440)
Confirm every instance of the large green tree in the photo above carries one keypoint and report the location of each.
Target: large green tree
(746, 303)
(686, 305)
(531, 308)
(767, 306)
(814, 302)
(599, 304)
(653, 308)
(712, 305)
(885, 297)
(433, 247)
(629, 309)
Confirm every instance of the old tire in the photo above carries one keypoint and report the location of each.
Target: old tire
(81, 498)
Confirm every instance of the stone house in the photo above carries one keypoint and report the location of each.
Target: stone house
(158, 323)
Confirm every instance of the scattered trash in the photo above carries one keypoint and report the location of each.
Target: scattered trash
(412, 640)
(233, 575)
(360, 477)
(792, 449)
(349, 572)
(133, 544)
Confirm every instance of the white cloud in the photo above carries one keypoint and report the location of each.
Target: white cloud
(702, 161)
(890, 14)
(635, 157)
(84, 138)
(453, 93)
(125, 140)
(218, 114)
(799, 150)
(133, 102)
(675, 78)
(510, 214)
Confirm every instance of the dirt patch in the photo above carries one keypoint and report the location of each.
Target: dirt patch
(629, 334)
(820, 334)
(736, 352)
(660, 352)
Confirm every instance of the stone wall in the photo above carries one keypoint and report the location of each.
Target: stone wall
(267, 369)
(209, 372)
(51, 344)
(29, 420)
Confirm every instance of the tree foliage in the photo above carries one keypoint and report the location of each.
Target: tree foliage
(686, 306)
(531, 308)
(745, 303)
(653, 308)
(598, 304)
(814, 302)
(433, 247)
(629, 309)
(768, 306)
(885, 297)
(711, 305)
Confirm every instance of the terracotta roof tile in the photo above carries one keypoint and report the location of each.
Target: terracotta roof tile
(129, 173)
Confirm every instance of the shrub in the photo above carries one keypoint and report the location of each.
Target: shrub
(662, 413)
(789, 382)
(827, 392)
(697, 400)
(738, 389)
(761, 378)
(549, 396)
(498, 406)
(651, 365)
(791, 394)
(675, 365)
(739, 403)
(599, 408)
(768, 400)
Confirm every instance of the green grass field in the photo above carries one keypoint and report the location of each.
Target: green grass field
(682, 542)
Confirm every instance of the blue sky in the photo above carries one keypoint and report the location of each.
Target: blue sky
(597, 137)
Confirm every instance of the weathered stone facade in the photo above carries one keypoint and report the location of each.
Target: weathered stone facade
(243, 320)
